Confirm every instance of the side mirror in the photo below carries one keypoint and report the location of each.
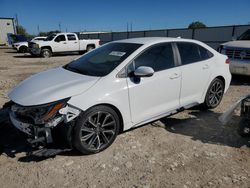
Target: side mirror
(144, 71)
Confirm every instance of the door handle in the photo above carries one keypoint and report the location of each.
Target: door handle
(174, 76)
(206, 66)
(65, 43)
(75, 42)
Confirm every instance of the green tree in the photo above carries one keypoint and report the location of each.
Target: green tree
(42, 33)
(196, 25)
(21, 30)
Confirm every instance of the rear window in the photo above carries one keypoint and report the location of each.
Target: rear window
(71, 37)
(191, 53)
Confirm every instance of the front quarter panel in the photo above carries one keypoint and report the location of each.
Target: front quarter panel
(109, 90)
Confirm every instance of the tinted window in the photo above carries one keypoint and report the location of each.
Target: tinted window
(191, 53)
(102, 60)
(60, 38)
(71, 37)
(204, 53)
(245, 36)
(158, 57)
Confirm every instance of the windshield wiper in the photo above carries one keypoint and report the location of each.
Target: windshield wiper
(73, 69)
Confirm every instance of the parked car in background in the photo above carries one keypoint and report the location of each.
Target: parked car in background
(22, 47)
(62, 43)
(238, 52)
(118, 86)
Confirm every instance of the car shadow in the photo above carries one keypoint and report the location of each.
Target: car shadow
(12, 52)
(205, 127)
(202, 126)
(12, 141)
(240, 80)
(26, 55)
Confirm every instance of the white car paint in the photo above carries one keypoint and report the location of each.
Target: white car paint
(17, 45)
(184, 86)
(55, 46)
(238, 52)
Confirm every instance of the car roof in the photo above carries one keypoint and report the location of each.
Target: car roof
(152, 40)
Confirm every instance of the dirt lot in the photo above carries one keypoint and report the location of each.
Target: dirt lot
(190, 149)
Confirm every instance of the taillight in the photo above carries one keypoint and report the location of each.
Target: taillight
(227, 61)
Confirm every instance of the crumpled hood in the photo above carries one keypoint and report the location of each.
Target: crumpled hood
(42, 43)
(238, 44)
(50, 86)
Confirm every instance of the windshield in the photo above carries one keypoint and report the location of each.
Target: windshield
(50, 37)
(103, 60)
(245, 36)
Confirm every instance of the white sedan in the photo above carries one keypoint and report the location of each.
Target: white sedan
(22, 47)
(116, 87)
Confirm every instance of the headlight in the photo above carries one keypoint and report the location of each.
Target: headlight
(35, 45)
(39, 114)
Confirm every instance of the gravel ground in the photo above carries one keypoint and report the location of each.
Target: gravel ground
(190, 149)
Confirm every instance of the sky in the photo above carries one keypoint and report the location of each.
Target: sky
(115, 15)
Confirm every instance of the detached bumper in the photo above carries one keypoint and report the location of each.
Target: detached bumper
(241, 67)
(35, 51)
(38, 134)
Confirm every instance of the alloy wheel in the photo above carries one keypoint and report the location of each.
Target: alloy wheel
(98, 130)
(216, 93)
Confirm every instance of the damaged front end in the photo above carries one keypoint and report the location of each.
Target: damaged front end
(39, 121)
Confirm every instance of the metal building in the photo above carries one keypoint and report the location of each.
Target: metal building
(7, 25)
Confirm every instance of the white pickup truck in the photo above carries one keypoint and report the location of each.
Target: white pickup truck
(238, 51)
(62, 43)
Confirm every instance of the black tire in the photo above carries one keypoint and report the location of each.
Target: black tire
(214, 94)
(23, 49)
(96, 129)
(90, 47)
(46, 53)
(244, 127)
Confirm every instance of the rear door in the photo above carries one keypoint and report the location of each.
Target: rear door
(73, 43)
(196, 70)
(153, 96)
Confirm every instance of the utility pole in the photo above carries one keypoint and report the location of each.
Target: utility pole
(17, 26)
(60, 27)
(38, 30)
(131, 26)
(127, 27)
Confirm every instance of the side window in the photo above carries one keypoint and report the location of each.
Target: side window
(71, 37)
(158, 57)
(60, 38)
(191, 53)
(204, 53)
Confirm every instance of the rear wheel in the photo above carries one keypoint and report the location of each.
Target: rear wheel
(23, 49)
(89, 48)
(46, 53)
(214, 94)
(96, 129)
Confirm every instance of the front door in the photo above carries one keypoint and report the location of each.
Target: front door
(60, 44)
(153, 96)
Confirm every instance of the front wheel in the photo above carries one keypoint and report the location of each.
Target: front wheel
(96, 129)
(23, 49)
(214, 94)
(46, 53)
